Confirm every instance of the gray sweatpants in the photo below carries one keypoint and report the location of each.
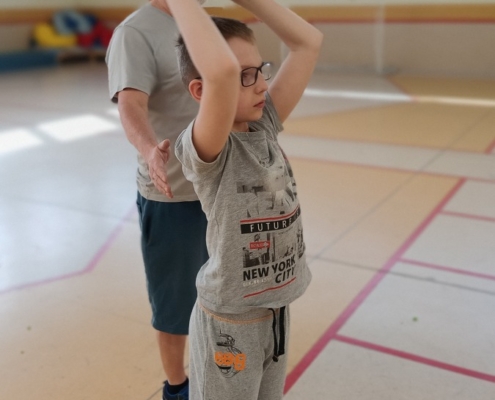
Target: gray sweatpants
(231, 355)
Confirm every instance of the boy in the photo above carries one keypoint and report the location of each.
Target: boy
(245, 184)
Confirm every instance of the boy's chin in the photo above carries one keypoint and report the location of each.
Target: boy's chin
(254, 118)
(259, 115)
(251, 117)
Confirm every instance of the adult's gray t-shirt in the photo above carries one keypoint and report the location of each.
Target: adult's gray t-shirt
(142, 56)
(255, 235)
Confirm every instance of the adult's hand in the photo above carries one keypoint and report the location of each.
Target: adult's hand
(133, 109)
(157, 164)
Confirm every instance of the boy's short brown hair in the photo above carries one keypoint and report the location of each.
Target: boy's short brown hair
(229, 28)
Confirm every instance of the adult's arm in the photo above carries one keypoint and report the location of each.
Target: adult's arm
(133, 110)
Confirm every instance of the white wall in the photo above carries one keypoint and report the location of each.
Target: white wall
(426, 48)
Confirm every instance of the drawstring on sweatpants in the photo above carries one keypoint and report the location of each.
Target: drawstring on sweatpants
(278, 344)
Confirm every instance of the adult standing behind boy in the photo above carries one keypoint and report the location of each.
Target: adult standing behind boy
(154, 108)
(230, 151)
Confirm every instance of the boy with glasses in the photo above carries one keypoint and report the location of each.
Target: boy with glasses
(256, 267)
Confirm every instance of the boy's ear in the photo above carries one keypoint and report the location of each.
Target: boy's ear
(196, 89)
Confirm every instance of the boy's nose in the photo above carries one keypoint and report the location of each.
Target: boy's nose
(261, 84)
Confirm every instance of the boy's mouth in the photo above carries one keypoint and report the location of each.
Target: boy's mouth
(261, 104)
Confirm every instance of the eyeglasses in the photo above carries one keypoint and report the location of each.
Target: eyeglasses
(249, 76)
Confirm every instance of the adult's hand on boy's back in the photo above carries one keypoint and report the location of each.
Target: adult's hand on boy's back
(157, 164)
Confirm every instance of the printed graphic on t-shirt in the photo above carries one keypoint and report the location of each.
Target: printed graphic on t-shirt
(272, 249)
(271, 232)
(230, 360)
(274, 196)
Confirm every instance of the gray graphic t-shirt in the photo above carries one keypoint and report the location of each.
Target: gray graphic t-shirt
(255, 235)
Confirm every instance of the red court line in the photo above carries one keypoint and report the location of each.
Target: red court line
(91, 265)
(402, 88)
(468, 216)
(332, 331)
(448, 269)
(416, 358)
(491, 148)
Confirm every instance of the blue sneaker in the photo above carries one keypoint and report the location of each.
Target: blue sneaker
(182, 395)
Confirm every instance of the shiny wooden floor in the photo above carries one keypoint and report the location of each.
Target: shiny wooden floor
(397, 182)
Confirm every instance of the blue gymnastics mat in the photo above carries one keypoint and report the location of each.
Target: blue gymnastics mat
(27, 59)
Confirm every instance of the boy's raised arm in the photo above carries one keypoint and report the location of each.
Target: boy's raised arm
(304, 43)
(219, 69)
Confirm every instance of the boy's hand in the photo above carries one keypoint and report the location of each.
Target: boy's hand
(243, 3)
(157, 165)
(164, 2)
(303, 41)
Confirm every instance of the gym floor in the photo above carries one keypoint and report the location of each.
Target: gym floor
(396, 176)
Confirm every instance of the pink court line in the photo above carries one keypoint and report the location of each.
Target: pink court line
(491, 148)
(468, 216)
(332, 331)
(91, 265)
(401, 88)
(448, 269)
(416, 358)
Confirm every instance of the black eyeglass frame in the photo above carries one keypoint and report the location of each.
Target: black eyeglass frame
(259, 70)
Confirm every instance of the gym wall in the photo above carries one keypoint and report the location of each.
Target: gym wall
(438, 37)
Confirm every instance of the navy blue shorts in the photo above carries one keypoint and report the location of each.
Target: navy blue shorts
(173, 243)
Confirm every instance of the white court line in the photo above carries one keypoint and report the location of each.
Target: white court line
(349, 94)
(395, 97)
